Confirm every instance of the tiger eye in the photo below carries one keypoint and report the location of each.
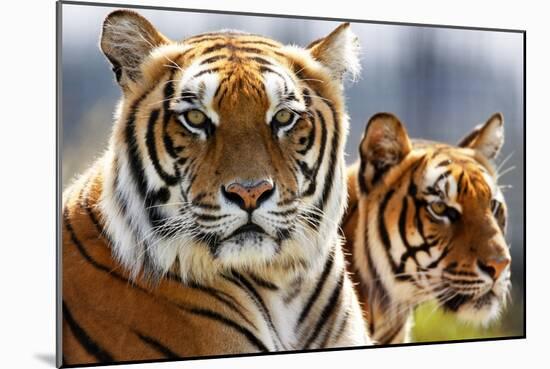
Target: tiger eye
(438, 207)
(195, 117)
(283, 116)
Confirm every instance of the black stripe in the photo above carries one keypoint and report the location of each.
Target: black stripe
(328, 182)
(168, 94)
(93, 218)
(169, 354)
(204, 71)
(210, 218)
(363, 187)
(215, 47)
(134, 157)
(222, 95)
(403, 234)
(242, 282)
(218, 89)
(328, 310)
(232, 48)
(120, 199)
(220, 318)
(199, 311)
(296, 287)
(386, 339)
(319, 161)
(376, 289)
(263, 283)
(213, 59)
(204, 38)
(83, 251)
(435, 263)
(253, 50)
(84, 202)
(185, 95)
(328, 331)
(345, 321)
(169, 179)
(307, 98)
(261, 60)
(264, 69)
(318, 288)
(310, 141)
(283, 213)
(443, 163)
(259, 42)
(383, 231)
(350, 213)
(206, 206)
(459, 183)
(225, 299)
(201, 196)
(84, 339)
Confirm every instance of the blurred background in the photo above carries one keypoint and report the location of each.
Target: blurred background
(440, 82)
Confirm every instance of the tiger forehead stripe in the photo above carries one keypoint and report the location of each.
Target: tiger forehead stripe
(233, 45)
(244, 38)
(219, 55)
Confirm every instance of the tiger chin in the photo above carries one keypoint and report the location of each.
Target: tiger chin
(426, 221)
(206, 227)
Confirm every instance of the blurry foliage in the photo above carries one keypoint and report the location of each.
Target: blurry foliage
(433, 324)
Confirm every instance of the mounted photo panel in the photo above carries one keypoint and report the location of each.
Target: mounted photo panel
(235, 184)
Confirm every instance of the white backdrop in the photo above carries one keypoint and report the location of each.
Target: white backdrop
(27, 325)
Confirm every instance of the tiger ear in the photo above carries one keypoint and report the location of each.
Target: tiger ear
(486, 138)
(127, 38)
(384, 144)
(339, 52)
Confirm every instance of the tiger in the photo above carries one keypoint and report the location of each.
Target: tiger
(207, 226)
(426, 221)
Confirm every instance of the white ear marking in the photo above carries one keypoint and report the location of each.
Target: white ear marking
(339, 52)
(486, 138)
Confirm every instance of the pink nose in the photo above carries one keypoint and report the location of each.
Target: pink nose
(248, 197)
(495, 266)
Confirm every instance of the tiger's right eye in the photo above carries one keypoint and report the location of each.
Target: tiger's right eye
(438, 207)
(440, 210)
(197, 122)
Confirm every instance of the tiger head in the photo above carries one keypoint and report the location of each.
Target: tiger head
(435, 218)
(228, 147)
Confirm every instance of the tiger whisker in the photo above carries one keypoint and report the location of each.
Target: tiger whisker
(507, 170)
(501, 164)
(310, 79)
(166, 57)
(319, 97)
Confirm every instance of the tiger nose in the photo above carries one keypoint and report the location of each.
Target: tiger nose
(248, 196)
(494, 266)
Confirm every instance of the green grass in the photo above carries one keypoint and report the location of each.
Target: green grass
(433, 324)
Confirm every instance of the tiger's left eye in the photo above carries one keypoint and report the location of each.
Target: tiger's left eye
(195, 117)
(283, 117)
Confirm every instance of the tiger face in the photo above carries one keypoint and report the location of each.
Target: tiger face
(436, 217)
(235, 142)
